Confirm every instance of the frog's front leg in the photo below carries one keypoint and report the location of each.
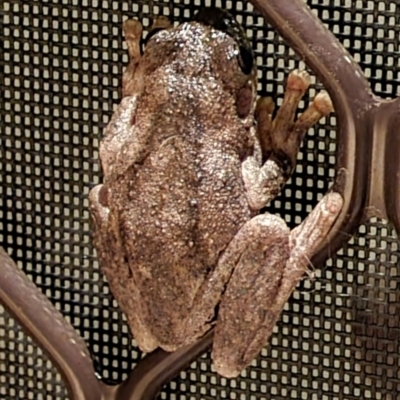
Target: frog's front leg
(133, 34)
(121, 147)
(257, 255)
(280, 139)
(269, 264)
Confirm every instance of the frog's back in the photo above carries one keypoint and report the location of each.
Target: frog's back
(181, 208)
(183, 201)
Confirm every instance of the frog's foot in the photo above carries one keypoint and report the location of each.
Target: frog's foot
(281, 137)
(133, 33)
(269, 264)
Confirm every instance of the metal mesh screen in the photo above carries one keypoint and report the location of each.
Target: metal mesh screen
(60, 73)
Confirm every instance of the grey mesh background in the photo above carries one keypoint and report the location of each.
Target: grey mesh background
(60, 73)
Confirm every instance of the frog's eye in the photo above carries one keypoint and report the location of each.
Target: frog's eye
(245, 59)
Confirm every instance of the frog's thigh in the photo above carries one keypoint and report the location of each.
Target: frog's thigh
(111, 255)
(244, 318)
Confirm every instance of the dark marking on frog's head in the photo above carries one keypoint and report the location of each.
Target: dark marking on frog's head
(150, 35)
(159, 24)
(223, 21)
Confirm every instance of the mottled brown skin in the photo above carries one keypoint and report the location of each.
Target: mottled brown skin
(183, 179)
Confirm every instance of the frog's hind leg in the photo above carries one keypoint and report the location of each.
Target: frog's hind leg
(253, 234)
(257, 256)
(305, 240)
(266, 273)
(113, 263)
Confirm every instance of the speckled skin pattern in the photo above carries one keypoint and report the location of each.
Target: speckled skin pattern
(184, 177)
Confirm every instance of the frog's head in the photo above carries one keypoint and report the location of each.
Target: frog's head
(220, 20)
(212, 49)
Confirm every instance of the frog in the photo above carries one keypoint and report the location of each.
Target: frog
(190, 157)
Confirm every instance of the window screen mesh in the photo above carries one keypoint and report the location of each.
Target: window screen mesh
(60, 72)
